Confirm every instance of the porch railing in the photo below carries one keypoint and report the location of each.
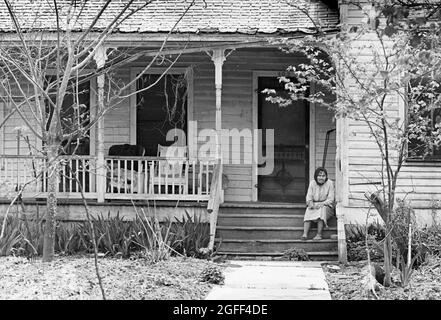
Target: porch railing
(158, 178)
(138, 178)
(29, 173)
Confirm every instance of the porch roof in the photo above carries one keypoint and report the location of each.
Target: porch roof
(249, 17)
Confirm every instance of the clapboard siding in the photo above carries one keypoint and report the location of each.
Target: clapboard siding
(11, 139)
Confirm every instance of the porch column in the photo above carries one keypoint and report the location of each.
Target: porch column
(100, 59)
(218, 58)
(341, 186)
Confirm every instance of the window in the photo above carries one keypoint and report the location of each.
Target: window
(75, 114)
(424, 120)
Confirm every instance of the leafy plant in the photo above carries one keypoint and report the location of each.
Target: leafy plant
(403, 219)
(356, 241)
(114, 235)
(212, 274)
(357, 232)
(68, 239)
(190, 235)
(430, 238)
(32, 231)
(12, 237)
(296, 254)
(357, 250)
(152, 237)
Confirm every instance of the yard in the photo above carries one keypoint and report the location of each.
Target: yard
(73, 278)
(347, 283)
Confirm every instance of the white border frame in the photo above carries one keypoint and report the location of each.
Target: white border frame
(190, 100)
(311, 146)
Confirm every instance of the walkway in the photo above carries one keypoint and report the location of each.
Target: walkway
(272, 280)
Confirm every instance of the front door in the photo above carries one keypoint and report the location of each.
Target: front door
(288, 181)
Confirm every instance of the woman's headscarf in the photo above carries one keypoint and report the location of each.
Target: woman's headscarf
(317, 172)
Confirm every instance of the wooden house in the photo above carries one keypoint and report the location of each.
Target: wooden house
(223, 55)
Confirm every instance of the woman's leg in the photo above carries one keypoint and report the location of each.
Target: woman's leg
(306, 226)
(319, 229)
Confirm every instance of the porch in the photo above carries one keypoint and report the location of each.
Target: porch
(223, 96)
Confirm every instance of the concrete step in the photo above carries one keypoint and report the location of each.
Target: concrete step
(264, 233)
(312, 255)
(275, 245)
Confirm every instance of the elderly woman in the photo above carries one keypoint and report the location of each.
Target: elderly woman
(320, 203)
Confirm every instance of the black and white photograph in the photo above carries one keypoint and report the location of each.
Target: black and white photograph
(220, 155)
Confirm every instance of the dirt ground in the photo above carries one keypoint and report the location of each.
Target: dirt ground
(346, 284)
(73, 278)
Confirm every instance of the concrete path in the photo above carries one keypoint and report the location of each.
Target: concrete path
(272, 280)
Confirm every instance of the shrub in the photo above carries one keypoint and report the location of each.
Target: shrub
(403, 216)
(114, 235)
(12, 237)
(356, 241)
(356, 251)
(357, 232)
(32, 231)
(212, 274)
(189, 235)
(152, 237)
(295, 254)
(68, 239)
(430, 238)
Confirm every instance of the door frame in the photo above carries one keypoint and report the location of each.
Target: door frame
(188, 71)
(255, 123)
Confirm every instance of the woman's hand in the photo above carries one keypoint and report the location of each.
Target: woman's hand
(319, 205)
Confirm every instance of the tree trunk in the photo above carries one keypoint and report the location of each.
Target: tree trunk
(49, 227)
(387, 260)
(384, 212)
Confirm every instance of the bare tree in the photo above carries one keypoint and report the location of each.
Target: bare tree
(55, 51)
